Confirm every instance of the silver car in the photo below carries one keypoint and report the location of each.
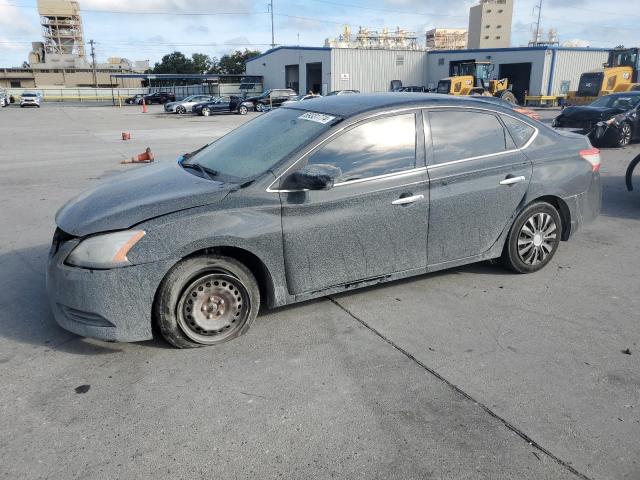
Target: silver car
(30, 99)
(186, 104)
(316, 198)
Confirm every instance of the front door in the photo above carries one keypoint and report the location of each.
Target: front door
(374, 221)
(478, 178)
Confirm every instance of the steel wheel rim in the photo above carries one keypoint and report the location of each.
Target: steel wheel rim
(213, 307)
(625, 134)
(537, 239)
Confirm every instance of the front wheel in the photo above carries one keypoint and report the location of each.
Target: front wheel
(534, 239)
(206, 112)
(243, 110)
(206, 300)
(180, 110)
(622, 136)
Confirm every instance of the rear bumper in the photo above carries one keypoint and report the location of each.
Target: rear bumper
(111, 305)
(585, 207)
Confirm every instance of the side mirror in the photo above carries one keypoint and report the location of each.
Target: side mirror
(312, 177)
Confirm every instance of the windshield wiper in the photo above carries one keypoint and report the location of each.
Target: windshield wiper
(206, 172)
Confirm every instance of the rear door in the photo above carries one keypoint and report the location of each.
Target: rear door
(478, 178)
(374, 221)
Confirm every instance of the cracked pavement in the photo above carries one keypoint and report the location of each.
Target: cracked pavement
(469, 373)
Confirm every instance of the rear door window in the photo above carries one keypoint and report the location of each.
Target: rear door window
(379, 147)
(463, 134)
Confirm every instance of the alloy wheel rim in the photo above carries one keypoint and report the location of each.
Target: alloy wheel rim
(625, 136)
(213, 307)
(205, 112)
(537, 239)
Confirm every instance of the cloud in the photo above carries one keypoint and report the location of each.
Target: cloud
(17, 21)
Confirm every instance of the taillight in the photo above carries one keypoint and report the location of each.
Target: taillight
(592, 155)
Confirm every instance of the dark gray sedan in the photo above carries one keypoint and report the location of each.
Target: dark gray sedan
(312, 199)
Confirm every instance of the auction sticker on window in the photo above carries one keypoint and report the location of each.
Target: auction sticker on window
(317, 117)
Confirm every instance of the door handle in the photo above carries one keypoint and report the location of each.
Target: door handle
(408, 200)
(512, 180)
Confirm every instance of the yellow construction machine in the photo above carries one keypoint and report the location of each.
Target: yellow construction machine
(620, 74)
(474, 78)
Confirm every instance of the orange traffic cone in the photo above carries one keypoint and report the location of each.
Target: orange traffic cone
(145, 157)
(144, 106)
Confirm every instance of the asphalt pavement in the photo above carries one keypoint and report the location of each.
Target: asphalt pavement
(471, 373)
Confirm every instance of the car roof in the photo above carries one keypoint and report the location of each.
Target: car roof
(350, 105)
(633, 93)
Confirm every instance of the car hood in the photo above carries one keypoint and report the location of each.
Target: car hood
(590, 113)
(133, 197)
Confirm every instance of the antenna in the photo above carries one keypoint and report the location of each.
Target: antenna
(539, 7)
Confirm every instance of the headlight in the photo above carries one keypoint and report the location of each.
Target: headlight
(105, 251)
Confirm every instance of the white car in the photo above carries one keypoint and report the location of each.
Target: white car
(4, 98)
(186, 104)
(300, 98)
(30, 99)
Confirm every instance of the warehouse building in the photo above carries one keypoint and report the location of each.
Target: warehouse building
(544, 70)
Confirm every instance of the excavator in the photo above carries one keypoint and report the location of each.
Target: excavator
(620, 74)
(474, 78)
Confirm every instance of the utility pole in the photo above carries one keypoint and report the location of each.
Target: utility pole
(93, 61)
(539, 7)
(273, 41)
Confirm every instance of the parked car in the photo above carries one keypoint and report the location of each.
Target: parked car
(4, 98)
(413, 89)
(342, 92)
(159, 97)
(231, 104)
(300, 98)
(612, 120)
(315, 198)
(186, 104)
(134, 100)
(523, 110)
(30, 99)
(275, 97)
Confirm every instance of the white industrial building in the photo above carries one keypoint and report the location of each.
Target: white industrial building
(545, 70)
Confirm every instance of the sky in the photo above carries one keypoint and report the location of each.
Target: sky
(148, 29)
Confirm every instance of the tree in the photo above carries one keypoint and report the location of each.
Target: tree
(175, 62)
(234, 63)
(203, 63)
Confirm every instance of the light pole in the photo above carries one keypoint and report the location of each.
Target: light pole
(273, 41)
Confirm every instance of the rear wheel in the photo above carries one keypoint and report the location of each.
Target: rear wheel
(534, 239)
(508, 96)
(206, 300)
(259, 107)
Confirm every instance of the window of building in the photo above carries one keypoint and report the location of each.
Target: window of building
(15, 84)
(399, 60)
(379, 147)
(486, 38)
(498, 26)
(487, 26)
(475, 134)
(498, 37)
(500, 11)
(488, 10)
(441, 61)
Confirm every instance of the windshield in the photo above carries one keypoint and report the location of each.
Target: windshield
(29, 95)
(623, 102)
(189, 98)
(259, 145)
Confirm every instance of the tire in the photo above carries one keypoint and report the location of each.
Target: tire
(534, 239)
(622, 136)
(508, 96)
(206, 112)
(259, 107)
(180, 110)
(206, 300)
(243, 110)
